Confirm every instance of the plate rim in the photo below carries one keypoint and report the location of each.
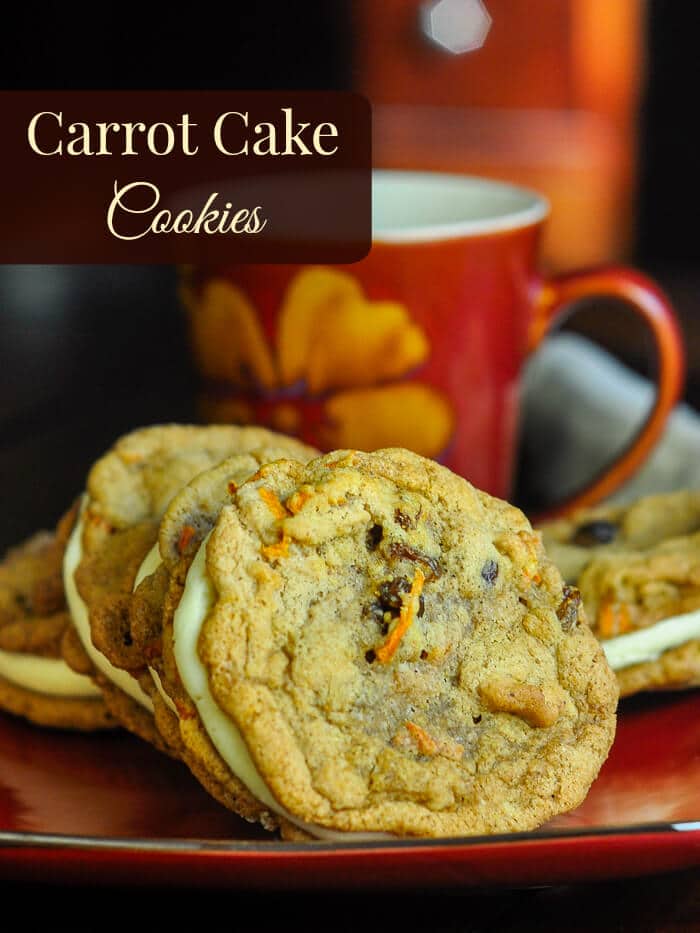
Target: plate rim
(13, 839)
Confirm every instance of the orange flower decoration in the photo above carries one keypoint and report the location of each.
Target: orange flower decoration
(335, 375)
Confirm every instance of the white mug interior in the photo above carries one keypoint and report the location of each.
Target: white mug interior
(411, 207)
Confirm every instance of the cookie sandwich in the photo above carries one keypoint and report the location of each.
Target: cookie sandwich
(127, 492)
(158, 587)
(35, 681)
(366, 645)
(638, 570)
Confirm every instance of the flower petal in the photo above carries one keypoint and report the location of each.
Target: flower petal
(407, 414)
(313, 294)
(361, 343)
(227, 340)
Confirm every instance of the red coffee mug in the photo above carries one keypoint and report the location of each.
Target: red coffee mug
(422, 343)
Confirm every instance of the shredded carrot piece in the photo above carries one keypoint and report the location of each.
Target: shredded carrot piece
(260, 473)
(279, 549)
(154, 649)
(186, 535)
(408, 610)
(606, 620)
(295, 503)
(625, 620)
(232, 487)
(613, 619)
(270, 499)
(532, 575)
(183, 711)
(426, 743)
(95, 519)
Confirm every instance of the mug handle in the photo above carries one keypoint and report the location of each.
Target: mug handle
(551, 300)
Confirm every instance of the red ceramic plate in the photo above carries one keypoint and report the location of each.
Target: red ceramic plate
(108, 808)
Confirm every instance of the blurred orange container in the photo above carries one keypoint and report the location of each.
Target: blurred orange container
(550, 101)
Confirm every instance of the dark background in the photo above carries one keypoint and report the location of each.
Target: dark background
(87, 353)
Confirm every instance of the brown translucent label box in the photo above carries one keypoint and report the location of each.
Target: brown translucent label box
(185, 176)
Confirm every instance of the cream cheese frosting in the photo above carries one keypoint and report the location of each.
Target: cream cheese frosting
(48, 676)
(195, 604)
(650, 643)
(79, 614)
(151, 563)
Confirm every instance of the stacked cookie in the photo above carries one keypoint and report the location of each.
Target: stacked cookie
(367, 644)
(64, 653)
(638, 570)
(116, 526)
(351, 646)
(35, 680)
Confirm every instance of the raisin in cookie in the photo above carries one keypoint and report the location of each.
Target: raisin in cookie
(127, 492)
(372, 646)
(35, 681)
(638, 569)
